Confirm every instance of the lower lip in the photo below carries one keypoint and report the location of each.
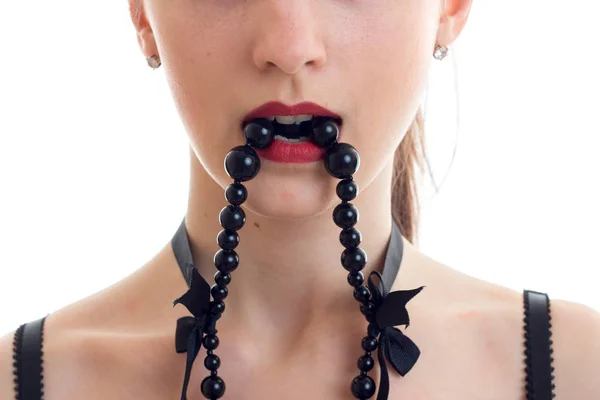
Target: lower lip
(287, 152)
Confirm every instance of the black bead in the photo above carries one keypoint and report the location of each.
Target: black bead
(213, 387)
(232, 218)
(226, 261)
(259, 133)
(219, 292)
(350, 237)
(236, 193)
(342, 160)
(368, 309)
(356, 278)
(228, 240)
(354, 259)
(363, 387)
(345, 215)
(369, 343)
(325, 131)
(217, 307)
(362, 294)
(222, 279)
(347, 189)
(212, 362)
(242, 163)
(210, 342)
(365, 363)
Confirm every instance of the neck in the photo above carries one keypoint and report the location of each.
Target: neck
(290, 270)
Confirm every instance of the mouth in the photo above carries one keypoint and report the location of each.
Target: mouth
(292, 124)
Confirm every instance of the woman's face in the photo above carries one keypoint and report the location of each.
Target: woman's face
(366, 60)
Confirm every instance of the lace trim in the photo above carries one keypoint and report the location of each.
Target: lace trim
(17, 343)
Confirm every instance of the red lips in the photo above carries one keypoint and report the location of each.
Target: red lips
(275, 108)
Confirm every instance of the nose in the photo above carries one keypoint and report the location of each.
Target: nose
(288, 35)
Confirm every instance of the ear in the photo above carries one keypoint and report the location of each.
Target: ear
(145, 35)
(453, 18)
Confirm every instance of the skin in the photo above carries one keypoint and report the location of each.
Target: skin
(291, 324)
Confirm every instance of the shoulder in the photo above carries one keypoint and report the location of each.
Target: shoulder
(6, 366)
(576, 344)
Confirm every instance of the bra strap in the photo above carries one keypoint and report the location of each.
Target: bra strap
(28, 360)
(538, 346)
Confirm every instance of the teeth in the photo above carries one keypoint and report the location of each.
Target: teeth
(291, 119)
(300, 140)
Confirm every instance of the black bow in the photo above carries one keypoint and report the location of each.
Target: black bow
(188, 336)
(401, 352)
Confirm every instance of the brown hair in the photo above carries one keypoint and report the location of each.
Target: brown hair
(409, 156)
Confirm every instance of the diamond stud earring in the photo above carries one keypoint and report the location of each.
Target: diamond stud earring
(440, 52)
(153, 61)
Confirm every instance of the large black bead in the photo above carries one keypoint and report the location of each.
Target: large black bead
(354, 259)
(226, 261)
(242, 163)
(347, 189)
(368, 309)
(365, 363)
(232, 218)
(345, 215)
(363, 387)
(222, 279)
(210, 342)
(217, 307)
(369, 343)
(259, 133)
(212, 362)
(325, 131)
(213, 387)
(236, 193)
(356, 278)
(350, 237)
(362, 294)
(219, 292)
(341, 160)
(228, 240)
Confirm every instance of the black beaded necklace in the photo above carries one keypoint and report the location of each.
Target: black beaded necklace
(382, 309)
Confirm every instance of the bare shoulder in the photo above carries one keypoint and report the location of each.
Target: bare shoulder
(6, 366)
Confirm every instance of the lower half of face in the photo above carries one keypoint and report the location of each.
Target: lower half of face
(365, 60)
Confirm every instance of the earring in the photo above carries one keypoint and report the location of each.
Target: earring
(440, 52)
(153, 61)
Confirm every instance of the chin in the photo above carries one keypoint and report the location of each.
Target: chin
(290, 197)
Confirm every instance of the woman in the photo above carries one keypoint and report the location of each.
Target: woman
(292, 328)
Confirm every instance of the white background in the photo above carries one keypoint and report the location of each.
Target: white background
(92, 152)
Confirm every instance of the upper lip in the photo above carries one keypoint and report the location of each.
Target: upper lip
(276, 108)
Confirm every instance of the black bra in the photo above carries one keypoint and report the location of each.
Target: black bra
(28, 338)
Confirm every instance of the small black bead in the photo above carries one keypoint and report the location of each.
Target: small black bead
(226, 261)
(222, 279)
(362, 294)
(236, 193)
(217, 307)
(325, 131)
(368, 309)
(342, 160)
(365, 363)
(213, 387)
(232, 218)
(350, 237)
(354, 259)
(228, 240)
(347, 189)
(212, 362)
(219, 292)
(356, 278)
(259, 133)
(345, 215)
(363, 387)
(210, 342)
(242, 163)
(369, 343)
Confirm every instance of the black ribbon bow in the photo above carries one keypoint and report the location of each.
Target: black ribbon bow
(401, 352)
(188, 336)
